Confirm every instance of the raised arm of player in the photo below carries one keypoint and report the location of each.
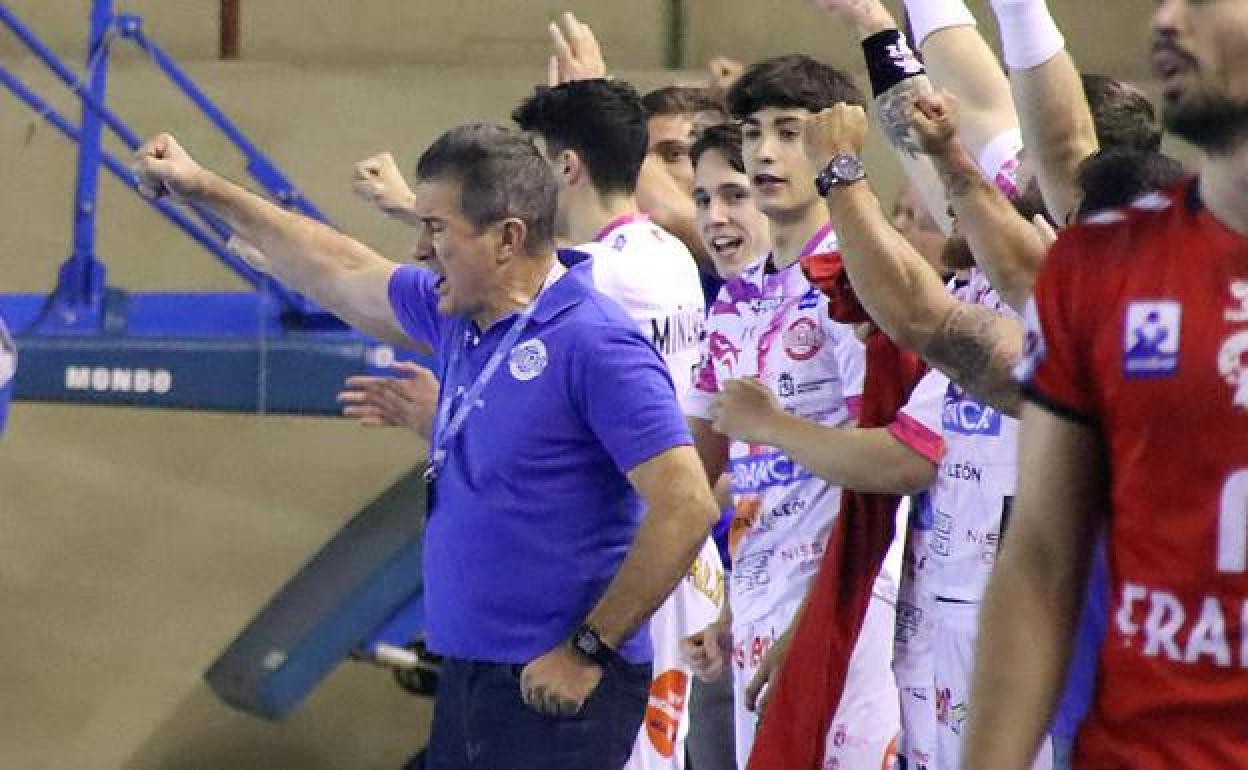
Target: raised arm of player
(1033, 600)
(902, 293)
(1006, 246)
(1054, 115)
(345, 276)
(867, 18)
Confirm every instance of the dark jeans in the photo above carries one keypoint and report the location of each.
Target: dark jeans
(480, 722)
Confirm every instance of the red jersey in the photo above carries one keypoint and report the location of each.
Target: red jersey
(1139, 327)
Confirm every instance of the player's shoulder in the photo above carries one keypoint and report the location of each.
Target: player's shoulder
(1127, 234)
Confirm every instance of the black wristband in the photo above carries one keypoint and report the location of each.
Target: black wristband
(890, 60)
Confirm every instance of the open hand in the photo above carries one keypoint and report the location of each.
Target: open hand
(576, 54)
(406, 401)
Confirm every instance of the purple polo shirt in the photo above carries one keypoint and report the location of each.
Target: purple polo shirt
(533, 513)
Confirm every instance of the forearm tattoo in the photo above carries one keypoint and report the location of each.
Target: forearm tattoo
(893, 111)
(969, 346)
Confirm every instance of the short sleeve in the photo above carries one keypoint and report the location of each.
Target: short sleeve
(918, 422)
(626, 396)
(1053, 369)
(414, 299)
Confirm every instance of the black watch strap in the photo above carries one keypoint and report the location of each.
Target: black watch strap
(590, 645)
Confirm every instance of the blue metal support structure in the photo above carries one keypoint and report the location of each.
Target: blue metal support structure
(269, 350)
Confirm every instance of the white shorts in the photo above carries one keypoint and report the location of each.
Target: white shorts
(957, 627)
(864, 728)
(693, 605)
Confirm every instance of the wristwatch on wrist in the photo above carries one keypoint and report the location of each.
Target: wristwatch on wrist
(590, 645)
(843, 169)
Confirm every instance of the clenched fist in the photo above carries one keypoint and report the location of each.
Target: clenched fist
(162, 167)
(841, 128)
(379, 181)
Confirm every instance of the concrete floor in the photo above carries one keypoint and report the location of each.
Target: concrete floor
(134, 545)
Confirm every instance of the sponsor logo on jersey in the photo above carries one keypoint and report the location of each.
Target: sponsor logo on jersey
(1189, 630)
(1150, 339)
(678, 332)
(103, 379)
(965, 416)
(750, 573)
(665, 710)
(803, 339)
(778, 515)
(909, 621)
(528, 359)
(1233, 366)
(620, 242)
(785, 387)
(810, 300)
(963, 471)
(754, 473)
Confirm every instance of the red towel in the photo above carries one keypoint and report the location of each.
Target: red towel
(805, 695)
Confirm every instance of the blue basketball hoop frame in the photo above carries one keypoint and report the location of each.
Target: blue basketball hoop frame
(268, 350)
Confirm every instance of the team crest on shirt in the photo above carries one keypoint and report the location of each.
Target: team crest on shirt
(1150, 339)
(803, 339)
(527, 360)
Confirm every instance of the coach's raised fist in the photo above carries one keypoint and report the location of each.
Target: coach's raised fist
(162, 167)
(379, 181)
(841, 128)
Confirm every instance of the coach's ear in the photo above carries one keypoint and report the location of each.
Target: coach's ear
(512, 234)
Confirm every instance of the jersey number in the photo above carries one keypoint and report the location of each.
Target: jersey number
(1233, 523)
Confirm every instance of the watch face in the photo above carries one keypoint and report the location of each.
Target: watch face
(846, 167)
(586, 643)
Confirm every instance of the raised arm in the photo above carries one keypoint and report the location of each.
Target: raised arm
(1006, 246)
(958, 59)
(898, 78)
(342, 274)
(1033, 600)
(1056, 122)
(906, 298)
(863, 459)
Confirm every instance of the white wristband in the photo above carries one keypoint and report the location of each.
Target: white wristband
(928, 16)
(1029, 36)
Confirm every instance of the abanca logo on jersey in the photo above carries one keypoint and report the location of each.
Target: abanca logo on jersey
(965, 416)
(754, 473)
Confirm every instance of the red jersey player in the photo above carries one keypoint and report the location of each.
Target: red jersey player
(1137, 372)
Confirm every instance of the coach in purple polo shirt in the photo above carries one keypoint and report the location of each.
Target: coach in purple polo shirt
(557, 426)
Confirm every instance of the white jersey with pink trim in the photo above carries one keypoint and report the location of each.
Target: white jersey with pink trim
(774, 325)
(974, 489)
(652, 275)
